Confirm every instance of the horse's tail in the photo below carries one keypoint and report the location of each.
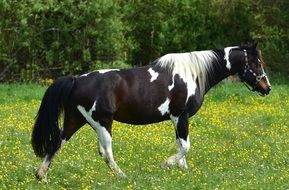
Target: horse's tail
(46, 137)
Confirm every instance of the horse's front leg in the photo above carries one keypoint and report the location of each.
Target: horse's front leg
(183, 141)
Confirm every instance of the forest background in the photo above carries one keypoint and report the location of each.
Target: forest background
(47, 39)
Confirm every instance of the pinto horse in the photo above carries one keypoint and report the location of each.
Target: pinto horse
(172, 87)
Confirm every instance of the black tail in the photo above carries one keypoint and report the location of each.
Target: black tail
(46, 133)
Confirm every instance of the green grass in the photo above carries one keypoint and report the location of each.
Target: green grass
(239, 140)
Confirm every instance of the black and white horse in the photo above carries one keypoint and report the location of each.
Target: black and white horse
(172, 87)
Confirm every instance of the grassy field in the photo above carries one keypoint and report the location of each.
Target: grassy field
(239, 140)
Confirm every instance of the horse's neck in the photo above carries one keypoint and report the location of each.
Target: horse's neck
(219, 71)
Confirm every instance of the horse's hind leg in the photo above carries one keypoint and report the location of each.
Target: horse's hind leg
(70, 126)
(105, 147)
(43, 167)
(102, 126)
(181, 124)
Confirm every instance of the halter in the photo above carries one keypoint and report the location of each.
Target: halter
(248, 69)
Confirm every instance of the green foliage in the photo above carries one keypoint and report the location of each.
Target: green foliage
(40, 39)
(55, 38)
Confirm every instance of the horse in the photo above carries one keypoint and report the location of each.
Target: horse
(170, 88)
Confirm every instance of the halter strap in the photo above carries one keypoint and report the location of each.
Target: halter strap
(247, 68)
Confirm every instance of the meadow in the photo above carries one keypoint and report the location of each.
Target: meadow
(239, 140)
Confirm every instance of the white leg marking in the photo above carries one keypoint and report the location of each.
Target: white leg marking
(154, 75)
(183, 163)
(164, 107)
(227, 56)
(184, 146)
(101, 149)
(63, 142)
(175, 120)
(101, 71)
(42, 169)
(105, 139)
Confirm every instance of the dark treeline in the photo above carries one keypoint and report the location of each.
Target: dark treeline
(47, 39)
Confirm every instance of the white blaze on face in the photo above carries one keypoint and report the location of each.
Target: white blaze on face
(102, 71)
(154, 75)
(227, 56)
(266, 77)
(164, 107)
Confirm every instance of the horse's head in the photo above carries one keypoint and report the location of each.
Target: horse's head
(251, 70)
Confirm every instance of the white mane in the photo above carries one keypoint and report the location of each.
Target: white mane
(189, 66)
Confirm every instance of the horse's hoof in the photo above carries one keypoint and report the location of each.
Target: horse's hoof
(183, 167)
(41, 176)
(165, 165)
(38, 177)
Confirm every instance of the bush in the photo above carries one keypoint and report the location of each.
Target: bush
(44, 39)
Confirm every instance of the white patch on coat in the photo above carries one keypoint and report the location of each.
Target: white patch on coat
(102, 71)
(92, 109)
(227, 51)
(154, 74)
(175, 120)
(191, 87)
(172, 85)
(189, 66)
(164, 107)
(84, 75)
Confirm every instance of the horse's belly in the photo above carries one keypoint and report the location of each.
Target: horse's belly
(138, 117)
